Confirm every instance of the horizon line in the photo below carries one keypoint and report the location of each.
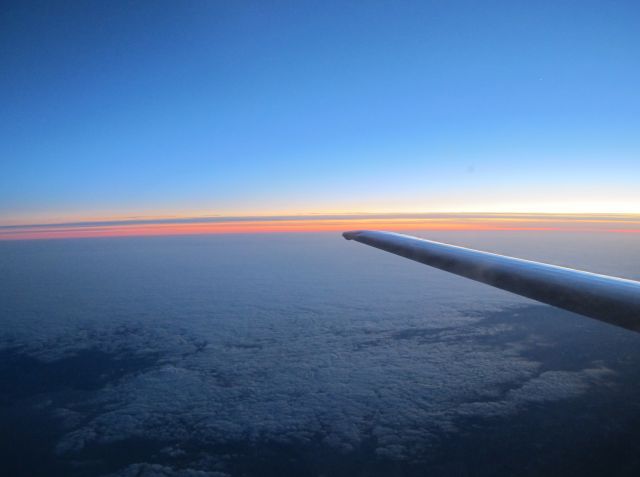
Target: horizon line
(396, 221)
(188, 218)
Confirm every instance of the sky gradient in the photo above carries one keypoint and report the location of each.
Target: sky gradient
(174, 109)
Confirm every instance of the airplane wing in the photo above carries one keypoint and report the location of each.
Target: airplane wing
(610, 299)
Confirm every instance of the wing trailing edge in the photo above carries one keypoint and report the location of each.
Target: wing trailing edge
(609, 299)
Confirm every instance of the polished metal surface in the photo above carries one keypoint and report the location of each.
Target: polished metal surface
(610, 299)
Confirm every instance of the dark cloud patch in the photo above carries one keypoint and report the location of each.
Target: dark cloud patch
(33, 388)
(25, 376)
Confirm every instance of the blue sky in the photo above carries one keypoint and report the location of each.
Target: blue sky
(177, 108)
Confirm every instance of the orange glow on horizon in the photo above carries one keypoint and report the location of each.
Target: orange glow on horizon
(538, 222)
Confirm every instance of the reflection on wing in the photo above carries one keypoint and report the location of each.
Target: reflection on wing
(610, 299)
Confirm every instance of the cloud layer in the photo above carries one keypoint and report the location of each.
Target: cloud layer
(195, 365)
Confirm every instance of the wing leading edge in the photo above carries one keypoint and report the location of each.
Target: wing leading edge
(610, 299)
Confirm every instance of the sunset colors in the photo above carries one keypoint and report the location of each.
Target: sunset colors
(396, 222)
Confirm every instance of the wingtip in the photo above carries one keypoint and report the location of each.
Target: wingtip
(351, 234)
